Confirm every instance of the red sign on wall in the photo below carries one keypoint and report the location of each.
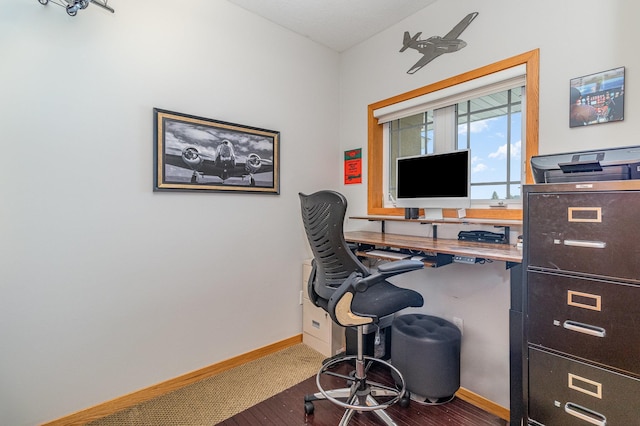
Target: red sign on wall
(353, 166)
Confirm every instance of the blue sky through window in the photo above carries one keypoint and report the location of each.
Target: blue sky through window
(490, 146)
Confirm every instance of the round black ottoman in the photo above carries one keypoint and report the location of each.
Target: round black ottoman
(426, 350)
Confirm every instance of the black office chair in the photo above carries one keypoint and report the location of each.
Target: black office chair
(354, 297)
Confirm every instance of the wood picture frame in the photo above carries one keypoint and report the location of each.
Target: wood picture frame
(194, 153)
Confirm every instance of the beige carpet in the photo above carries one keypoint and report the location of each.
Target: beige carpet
(217, 398)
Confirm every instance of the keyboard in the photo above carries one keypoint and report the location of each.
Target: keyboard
(387, 254)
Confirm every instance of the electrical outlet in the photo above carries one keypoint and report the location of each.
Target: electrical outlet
(459, 323)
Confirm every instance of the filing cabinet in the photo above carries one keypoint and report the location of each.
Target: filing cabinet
(318, 329)
(581, 263)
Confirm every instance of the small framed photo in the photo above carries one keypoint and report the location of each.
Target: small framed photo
(201, 154)
(597, 98)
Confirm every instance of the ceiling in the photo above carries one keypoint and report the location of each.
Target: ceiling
(337, 24)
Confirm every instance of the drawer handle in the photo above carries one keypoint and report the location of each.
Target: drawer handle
(585, 414)
(583, 243)
(315, 324)
(591, 330)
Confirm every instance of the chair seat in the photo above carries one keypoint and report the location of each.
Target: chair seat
(384, 299)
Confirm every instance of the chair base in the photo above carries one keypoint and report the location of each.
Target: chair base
(362, 394)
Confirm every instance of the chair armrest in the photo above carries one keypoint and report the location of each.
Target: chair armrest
(340, 301)
(399, 267)
(387, 270)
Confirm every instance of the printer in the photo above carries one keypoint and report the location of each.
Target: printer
(597, 165)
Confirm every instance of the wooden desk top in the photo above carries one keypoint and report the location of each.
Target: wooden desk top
(503, 252)
(447, 221)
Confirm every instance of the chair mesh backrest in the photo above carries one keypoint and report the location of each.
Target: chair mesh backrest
(323, 217)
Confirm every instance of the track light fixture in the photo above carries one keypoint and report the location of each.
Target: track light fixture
(73, 6)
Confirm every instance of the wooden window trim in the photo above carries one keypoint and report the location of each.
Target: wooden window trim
(375, 204)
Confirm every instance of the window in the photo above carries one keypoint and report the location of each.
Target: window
(491, 126)
(401, 126)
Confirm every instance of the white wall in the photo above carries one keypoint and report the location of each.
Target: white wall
(575, 38)
(105, 286)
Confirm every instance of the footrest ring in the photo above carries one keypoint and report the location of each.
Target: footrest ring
(376, 389)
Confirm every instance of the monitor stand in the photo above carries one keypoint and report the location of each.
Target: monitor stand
(433, 214)
(411, 213)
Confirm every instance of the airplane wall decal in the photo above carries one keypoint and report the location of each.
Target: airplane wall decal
(73, 6)
(435, 46)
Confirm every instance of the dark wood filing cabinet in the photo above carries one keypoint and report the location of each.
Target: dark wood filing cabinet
(581, 281)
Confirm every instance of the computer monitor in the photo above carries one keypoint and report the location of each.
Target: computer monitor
(434, 182)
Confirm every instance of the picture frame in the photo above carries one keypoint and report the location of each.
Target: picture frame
(597, 98)
(194, 153)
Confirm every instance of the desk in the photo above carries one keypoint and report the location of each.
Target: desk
(497, 252)
(498, 223)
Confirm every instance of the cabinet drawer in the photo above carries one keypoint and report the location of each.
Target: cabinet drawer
(316, 321)
(566, 392)
(328, 349)
(590, 233)
(587, 318)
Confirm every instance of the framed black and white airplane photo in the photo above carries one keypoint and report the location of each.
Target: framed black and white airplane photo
(202, 154)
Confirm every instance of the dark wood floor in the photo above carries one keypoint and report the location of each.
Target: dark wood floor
(287, 408)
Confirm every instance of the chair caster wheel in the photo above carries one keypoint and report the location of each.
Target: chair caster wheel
(405, 400)
(308, 407)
